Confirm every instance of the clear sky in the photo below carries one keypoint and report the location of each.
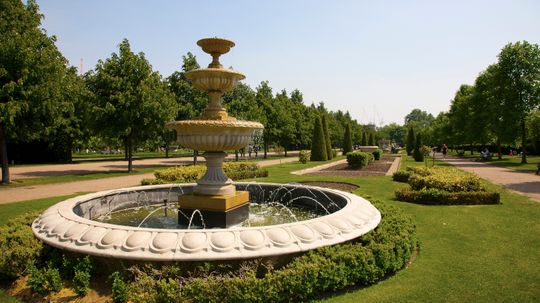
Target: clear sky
(376, 59)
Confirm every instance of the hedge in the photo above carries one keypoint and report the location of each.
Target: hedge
(363, 261)
(359, 159)
(447, 182)
(189, 174)
(18, 246)
(401, 176)
(377, 154)
(433, 196)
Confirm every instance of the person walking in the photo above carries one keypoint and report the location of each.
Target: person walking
(444, 151)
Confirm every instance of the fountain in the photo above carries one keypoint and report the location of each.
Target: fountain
(83, 224)
(214, 131)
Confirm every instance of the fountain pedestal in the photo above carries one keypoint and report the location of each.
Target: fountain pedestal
(215, 199)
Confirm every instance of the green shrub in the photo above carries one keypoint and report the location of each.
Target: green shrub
(119, 288)
(190, 174)
(433, 196)
(44, 280)
(318, 142)
(401, 176)
(334, 153)
(363, 261)
(359, 159)
(377, 154)
(347, 140)
(82, 273)
(19, 248)
(451, 182)
(303, 156)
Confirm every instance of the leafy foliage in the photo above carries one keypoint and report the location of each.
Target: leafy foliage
(359, 159)
(434, 196)
(18, 247)
(377, 154)
(318, 143)
(187, 174)
(303, 156)
(45, 280)
(362, 262)
(329, 150)
(347, 140)
(410, 141)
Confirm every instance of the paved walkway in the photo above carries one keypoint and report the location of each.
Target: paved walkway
(527, 184)
(18, 194)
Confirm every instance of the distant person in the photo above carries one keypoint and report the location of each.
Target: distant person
(444, 151)
(485, 154)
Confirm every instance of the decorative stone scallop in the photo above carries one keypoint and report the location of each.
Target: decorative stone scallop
(223, 241)
(253, 239)
(279, 237)
(114, 237)
(137, 240)
(165, 241)
(61, 227)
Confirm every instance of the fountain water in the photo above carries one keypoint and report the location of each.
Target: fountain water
(219, 203)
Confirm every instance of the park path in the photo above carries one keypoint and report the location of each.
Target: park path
(23, 193)
(527, 184)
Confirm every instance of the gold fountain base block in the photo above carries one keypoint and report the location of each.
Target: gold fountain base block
(213, 211)
(214, 203)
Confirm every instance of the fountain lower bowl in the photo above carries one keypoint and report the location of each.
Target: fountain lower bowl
(68, 225)
(214, 79)
(214, 135)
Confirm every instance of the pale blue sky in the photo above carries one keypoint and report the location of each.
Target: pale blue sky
(376, 59)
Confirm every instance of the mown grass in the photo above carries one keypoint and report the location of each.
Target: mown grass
(11, 210)
(486, 253)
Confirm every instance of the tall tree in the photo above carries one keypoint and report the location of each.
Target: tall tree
(519, 65)
(131, 101)
(410, 141)
(419, 119)
(371, 140)
(417, 153)
(318, 146)
(347, 140)
(327, 138)
(37, 90)
(364, 139)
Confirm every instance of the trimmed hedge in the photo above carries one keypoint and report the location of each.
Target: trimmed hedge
(189, 174)
(359, 159)
(377, 154)
(433, 196)
(363, 261)
(18, 246)
(401, 176)
(442, 186)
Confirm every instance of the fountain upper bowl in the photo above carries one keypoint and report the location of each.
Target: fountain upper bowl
(214, 135)
(215, 79)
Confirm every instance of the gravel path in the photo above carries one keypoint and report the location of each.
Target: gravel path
(523, 183)
(17, 194)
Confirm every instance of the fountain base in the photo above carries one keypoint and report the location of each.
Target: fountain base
(216, 211)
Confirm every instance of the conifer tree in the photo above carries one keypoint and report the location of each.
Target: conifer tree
(347, 140)
(318, 145)
(417, 154)
(327, 138)
(364, 139)
(371, 141)
(410, 141)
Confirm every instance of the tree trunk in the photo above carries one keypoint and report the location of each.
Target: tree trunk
(130, 154)
(285, 149)
(195, 154)
(472, 149)
(167, 149)
(125, 149)
(236, 155)
(265, 150)
(3, 154)
(499, 149)
(523, 142)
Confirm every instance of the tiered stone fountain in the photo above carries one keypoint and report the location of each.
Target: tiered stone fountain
(215, 195)
(75, 224)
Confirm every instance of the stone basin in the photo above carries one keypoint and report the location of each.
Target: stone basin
(215, 79)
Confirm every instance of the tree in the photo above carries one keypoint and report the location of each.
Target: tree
(519, 65)
(131, 101)
(533, 126)
(318, 145)
(328, 144)
(38, 92)
(347, 140)
(371, 141)
(417, 153)
(364, 139)
(410, 141)
(419, 119)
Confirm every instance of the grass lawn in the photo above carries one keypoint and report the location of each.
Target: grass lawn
(511, 162)
(487, 253)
